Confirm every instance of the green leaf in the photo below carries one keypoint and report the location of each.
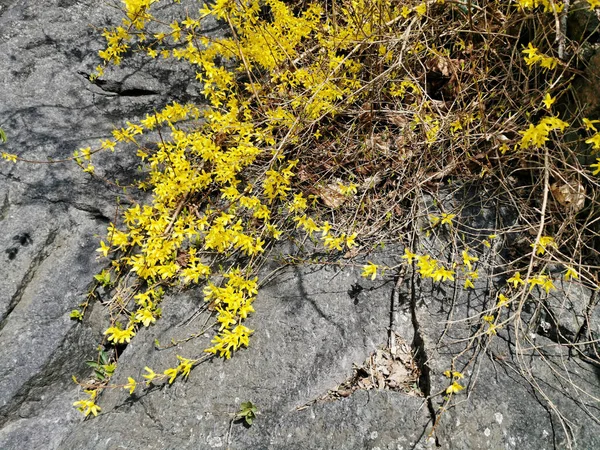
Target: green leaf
(109, 369)
(2, 135)
(76, 314)
(247, 412)
(104, 358)
(103, 278)
(100, 376)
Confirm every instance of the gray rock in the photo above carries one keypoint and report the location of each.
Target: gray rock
(313, 324)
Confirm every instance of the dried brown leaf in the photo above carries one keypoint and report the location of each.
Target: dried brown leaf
(570, 195)
(331, 195)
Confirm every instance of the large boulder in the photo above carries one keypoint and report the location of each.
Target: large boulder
(317, 368)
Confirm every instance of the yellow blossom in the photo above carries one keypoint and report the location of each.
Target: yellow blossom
(370, 270)
(571, 273)
(596, 166)
(9, 157)
(516, 279)
(454, 388)
(543, 243)
(503, 300)
(409, 256)
(447, 218)
(548, 101)
(131, 385)
(468, 259)
(150, 375)
(103, 249)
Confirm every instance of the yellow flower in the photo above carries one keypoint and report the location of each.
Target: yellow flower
(87, 407)
(9, 157)
(548, 101)
(531, 54)
(516, 279)
(571, 273)
(596, 166)
(421, 9)
(447, 218)
(467, 259)
(409, 256)
(454, 374)
(503, 300)
(543, 243)
(131, 385)
(185, 365)
(595, 141)
(594, 4)
(442, 274)
(541, 280)
(150, 375)
(145, 316)
(103, 249)
(172, 374)
(589, 124)
(454, 388)
(350, 240)
(370, 270)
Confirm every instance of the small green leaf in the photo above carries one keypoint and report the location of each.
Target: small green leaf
(104, 358)
(2, 135)
(100, 376)
(247, 412)
(76, 314)
(103, 278)
(109, 369)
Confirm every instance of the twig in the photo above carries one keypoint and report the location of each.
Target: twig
(561, 27)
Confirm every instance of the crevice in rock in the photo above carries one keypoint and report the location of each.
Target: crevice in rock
(29, 274)
(118, 87)
(4, 207)
(54, 377)
(590, 352)
(95, 212)
(421, 358)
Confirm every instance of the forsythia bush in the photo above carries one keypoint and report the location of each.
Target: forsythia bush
(353, 106)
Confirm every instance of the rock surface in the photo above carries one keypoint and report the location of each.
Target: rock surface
(313, 324)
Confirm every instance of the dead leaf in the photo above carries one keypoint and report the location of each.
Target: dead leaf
(443, 65)
(397, 118)
(331, 195)
(371, 182)
(380, 380)
(365, 383)
(352, 253)
(398, 374)
(378, 142)
(570, 195)
(344, 392)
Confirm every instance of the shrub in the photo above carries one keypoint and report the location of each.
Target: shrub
(355, 107)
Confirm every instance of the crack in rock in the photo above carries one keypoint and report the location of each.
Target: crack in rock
(4, 207)
(29, 274)
(421, 357)
(118, 87)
